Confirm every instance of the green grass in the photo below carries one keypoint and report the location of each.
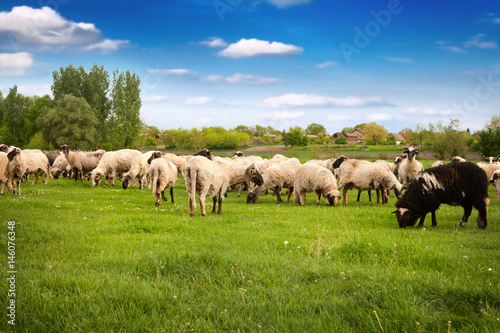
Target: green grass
(107, 260)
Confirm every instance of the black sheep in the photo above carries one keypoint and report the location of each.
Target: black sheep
(463, 184)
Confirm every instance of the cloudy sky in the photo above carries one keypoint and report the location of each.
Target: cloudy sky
(270, 62)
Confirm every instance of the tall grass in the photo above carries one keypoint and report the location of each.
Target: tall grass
(107, 260)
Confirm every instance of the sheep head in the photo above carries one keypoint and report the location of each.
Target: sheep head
(405, 217)
(332, 199)
(252, 196)
(96, 177)
(65, 149)
(14, 151)
(339, 161)
(155, 155)
(126, 181)
(254, 175)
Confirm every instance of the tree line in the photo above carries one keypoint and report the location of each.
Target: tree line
(87, 111)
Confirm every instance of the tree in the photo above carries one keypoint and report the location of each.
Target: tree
(448, 140)
(315, 129)
(15, 107)
(489, 138)
(69, 80)
(375, 133)
(71, 121)
(294, 137)
(125, 121)
(341, 140)
(96, 90)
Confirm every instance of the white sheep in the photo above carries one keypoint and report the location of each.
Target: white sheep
(494, 179)
(365, 175)
(36, 161)
(311, 177)
(138, 170)
(409, 167)
(208, 178)
(111, 163)
(163, 174)
(456, 159)
(491, 159)
(178, 161)
(82, 162)
(17, 168)
(276, 177)
(60, 165)
(489, 168)
(4, 173)
(437, 163)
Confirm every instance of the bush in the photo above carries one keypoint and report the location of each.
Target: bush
(341, 140)
(150, 142)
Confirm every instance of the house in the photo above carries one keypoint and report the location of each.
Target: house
(400, 137)
(356, 136)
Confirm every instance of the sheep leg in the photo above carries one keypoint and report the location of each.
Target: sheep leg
(434, 222)
(219, 211)
(318, 195)
(172, 194)
(202, 204)
(344, 194)
(370, 196)
(421, 222)
(36, 178)
(215, 204)
(482, 222)
(192, 203)
(163, 197)
(157, 196)
(359, 195)
(467, 212)
(289, 191)
(277, 190)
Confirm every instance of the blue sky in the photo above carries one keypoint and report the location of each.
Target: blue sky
(270, 62)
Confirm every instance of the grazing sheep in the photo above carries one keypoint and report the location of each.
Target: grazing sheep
(206, 153)
(4, 173)
(397, 164)
(495, 180)
(461, 184)
(276, 177)
(178, 161)
(163, 175)
(111, 163)
(139, 170)
(409, 167)
(81, 162)
(365, 175)
(489, 169)
(60, 165)
(318, 179)
(207, 178)
(17, 168)
(36, 161)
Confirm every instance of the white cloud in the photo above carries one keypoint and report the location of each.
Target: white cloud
(242, 79)
(399, 60)
(479, 42)
(34, 89)
(46, 30)
(214, 42)
(198, 101)
(204, 120)
(15, 64)
(379, 116)
(306, 100)
(288, 3)
(154, 98)
(177, 72)
(253, 48)
(279, 115)
(432, 112)
(327, 64)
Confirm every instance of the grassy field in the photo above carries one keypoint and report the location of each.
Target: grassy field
(107, 260)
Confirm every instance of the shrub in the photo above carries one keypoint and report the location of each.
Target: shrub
(341, 140)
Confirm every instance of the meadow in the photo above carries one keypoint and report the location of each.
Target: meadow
(107, 260)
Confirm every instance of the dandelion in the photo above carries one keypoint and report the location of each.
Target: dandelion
(465, 257)
(490, 269)
(286, 243)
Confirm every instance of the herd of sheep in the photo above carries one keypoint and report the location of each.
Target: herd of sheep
(210, 176)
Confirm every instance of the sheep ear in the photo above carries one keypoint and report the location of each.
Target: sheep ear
(394, 212)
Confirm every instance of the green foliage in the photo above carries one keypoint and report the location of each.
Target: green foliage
(341, 140)
(315, 129)
(390, 140)
(150, 142)
(71, 121)
(216, 138)
(37, 142)
(376, 134)
(294, 137)
(489, 138)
